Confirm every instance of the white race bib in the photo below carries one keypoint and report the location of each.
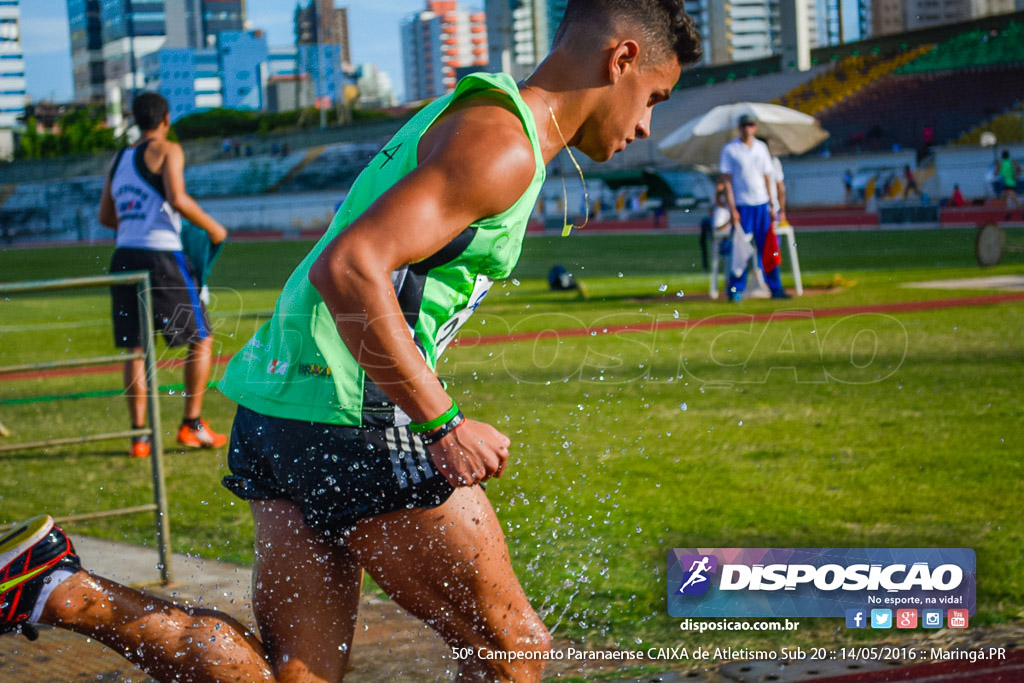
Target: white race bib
(447, 332)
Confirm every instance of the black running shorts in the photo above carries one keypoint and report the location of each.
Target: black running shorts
(335, 475)
(177, 311)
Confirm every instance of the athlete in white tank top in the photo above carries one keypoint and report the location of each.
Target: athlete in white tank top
(145, 219)
(146, 206)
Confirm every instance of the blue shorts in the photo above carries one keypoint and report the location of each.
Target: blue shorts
(335, 475)
(177, 310)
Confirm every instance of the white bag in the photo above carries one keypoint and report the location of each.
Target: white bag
(742, 251)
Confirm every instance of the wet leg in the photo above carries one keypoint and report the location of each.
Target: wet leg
(450, 567)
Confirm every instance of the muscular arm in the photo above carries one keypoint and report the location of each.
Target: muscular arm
(473, 164)
(174, 190)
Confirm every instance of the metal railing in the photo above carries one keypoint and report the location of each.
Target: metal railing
(148, 355)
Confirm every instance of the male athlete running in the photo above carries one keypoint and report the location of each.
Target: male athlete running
(351, 453)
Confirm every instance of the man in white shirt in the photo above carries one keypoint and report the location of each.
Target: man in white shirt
(746, 166)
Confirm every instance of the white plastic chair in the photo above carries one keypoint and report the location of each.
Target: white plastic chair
(786, 231)
(782, 232)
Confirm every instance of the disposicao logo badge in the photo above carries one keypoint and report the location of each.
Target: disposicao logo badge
(695, 578)
(818, 582)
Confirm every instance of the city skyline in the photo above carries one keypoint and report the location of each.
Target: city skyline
(373, 26)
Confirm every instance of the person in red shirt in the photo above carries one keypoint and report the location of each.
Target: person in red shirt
(958, 197)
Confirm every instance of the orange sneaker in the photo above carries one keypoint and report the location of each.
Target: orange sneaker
(140, 448)
(197, 434)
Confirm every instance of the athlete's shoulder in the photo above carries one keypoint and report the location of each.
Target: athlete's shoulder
(167, 157)
(496, 136)
(485, 148)
(486, 124)
(167, 147)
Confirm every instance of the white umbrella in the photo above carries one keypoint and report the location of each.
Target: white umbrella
(700, 140)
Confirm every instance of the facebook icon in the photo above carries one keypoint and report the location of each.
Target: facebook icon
(856, 618)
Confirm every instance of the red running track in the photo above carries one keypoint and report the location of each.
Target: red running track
(713, 321)
(739, 319)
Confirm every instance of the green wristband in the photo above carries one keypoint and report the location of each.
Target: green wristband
(443, 418)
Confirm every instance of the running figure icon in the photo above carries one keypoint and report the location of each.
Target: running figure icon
(697, 570)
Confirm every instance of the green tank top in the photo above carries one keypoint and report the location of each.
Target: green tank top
(297, 366)
(1007, 173)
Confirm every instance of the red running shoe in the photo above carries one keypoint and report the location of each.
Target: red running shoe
(29, 553)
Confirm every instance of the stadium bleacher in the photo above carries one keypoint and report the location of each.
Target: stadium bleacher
(972, 49)
(938, 97)
(335, 166)
(67, 208)
(848, 77)
(254, 175)
(916, 110)
(1007, 126)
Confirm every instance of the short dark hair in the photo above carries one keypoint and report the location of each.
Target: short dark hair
(149, 109)
(1006, 154)
(667, 30)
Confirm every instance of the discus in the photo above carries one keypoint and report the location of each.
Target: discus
(989, 244)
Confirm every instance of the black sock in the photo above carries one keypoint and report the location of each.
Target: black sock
(194, 422)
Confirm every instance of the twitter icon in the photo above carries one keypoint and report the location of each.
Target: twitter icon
(881, 618)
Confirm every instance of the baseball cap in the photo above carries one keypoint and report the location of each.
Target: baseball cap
(747, 120)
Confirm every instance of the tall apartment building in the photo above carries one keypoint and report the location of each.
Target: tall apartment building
(520, 33)
(739, 30)
(321, 41)
(240, 71)
(511, 43)
(131, 29)
(12, 66)
(86, 49)
(196, 23)
(375, 91)
(321, 22)
(843, 21)
(925, 13)
(287, 89)
(438, 41)
(895, 16)
(232, 74)
(736, 30)
(341, 34)
(887, 17)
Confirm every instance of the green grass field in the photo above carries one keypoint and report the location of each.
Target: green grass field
(898, 429)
